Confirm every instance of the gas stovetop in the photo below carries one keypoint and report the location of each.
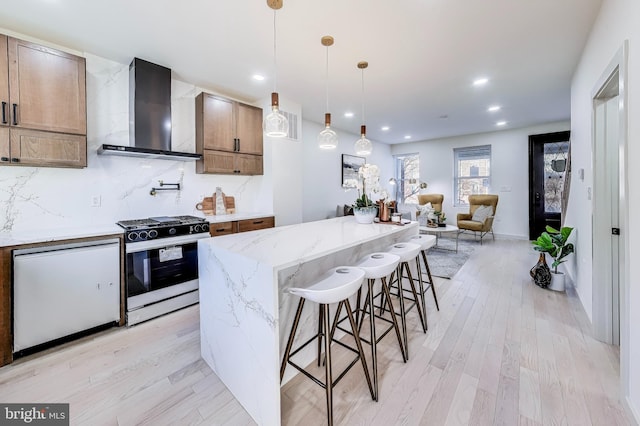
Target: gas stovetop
(162, 227)
(156, 222)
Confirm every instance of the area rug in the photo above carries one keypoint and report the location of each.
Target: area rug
(444, 263)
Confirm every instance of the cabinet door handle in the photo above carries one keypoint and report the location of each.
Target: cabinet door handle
(15, 160)
(258, 222)
(4, 159)
(238, 144)
(4, 112)
(220, 230)
(15, 114)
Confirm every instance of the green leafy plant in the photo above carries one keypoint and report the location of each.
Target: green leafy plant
(363, 201)
(441, 216)
(555, 243)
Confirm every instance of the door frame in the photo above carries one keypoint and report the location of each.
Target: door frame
(602, 310)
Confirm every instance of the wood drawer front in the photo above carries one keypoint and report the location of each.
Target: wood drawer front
(222, 228)
(254, 224)
(35, 148)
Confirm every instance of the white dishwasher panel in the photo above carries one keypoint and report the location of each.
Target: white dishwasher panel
(61, 290)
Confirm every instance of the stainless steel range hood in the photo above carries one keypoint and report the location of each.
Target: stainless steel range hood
(149, 115)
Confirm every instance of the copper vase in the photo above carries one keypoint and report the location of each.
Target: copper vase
(385, 212)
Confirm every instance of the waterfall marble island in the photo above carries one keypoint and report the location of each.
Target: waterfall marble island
(245, 311)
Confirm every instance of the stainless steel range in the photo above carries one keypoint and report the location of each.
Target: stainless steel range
(161, 264)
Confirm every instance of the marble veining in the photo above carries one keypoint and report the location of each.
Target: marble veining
(240, 297)
(41, 198)
(246, 311)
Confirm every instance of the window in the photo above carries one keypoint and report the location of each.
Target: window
(407, 175)
(472, 168)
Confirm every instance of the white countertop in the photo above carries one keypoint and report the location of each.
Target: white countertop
(47, 235)
(236, 216)
(284, 246)
(245, 310)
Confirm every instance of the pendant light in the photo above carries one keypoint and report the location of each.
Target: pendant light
(275, 124)
(363, 145)
(327, 139)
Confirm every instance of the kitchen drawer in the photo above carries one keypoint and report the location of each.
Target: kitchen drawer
(257, 223)
(222, 228)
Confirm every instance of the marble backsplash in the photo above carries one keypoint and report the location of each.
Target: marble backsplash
(33, 198)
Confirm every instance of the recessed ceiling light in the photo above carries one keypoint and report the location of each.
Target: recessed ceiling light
(501, 123)
(384, 128)
(348, 114)
(443, 116)
(494, 108)
(480, 81)
(258, 77)
(407, 137)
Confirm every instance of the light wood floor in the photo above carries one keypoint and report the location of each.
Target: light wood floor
(499, 351)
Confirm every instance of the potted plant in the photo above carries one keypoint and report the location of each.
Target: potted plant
(555, 243)
(368, 182)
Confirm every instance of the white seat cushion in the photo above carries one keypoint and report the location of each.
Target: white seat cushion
(406, 251)
(482, 213)
(425, 241)
(378, 265)
(336, 285)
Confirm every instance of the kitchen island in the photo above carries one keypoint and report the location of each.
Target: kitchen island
(245, 311)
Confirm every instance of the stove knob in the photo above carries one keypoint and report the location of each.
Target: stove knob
(205, 227)
(172, 231)
(153, 233)
(196, 228)
(132, 236)
(143, 235)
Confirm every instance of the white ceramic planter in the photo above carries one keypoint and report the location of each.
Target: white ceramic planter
(557, 281)
(365, 214)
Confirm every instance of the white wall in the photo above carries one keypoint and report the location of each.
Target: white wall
(322, 176)
(283, 168)
(509, 172)
(617, 22)
(33, 198)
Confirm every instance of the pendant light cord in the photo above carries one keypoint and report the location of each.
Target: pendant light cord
(327, 80)
(363, 122)
(275, 67)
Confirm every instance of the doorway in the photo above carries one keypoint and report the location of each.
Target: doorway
(548, 163)
(607, 198)
(610, 308)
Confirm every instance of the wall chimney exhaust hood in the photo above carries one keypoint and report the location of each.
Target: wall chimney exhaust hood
(149, 115)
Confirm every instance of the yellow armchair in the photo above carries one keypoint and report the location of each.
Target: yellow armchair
(436, 203)
(435, 200)
(483, 223)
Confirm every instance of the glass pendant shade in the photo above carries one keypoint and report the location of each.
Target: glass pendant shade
(363, 145)
(327, 139)
(275, 124)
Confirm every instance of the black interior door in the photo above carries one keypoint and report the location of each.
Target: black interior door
(548, 159)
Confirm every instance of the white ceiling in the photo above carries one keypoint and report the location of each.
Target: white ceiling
(423, 54)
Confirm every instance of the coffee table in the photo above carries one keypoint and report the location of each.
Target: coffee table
(439, 231)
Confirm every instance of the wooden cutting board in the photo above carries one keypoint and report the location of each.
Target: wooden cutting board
(208, 205)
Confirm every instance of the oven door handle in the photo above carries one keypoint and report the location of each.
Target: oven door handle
(139, 246)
